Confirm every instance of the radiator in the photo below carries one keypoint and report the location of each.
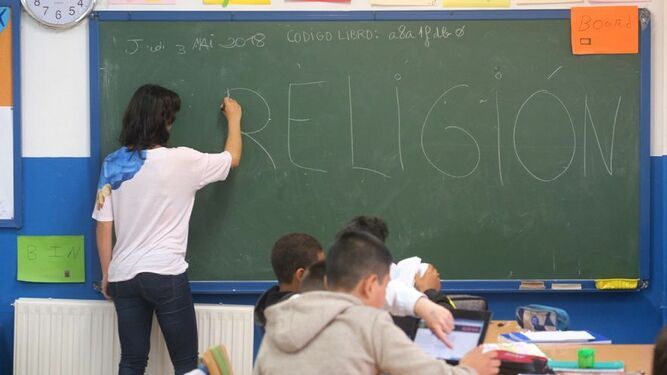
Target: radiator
(71, 337)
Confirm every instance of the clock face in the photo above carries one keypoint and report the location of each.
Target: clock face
(58, 13)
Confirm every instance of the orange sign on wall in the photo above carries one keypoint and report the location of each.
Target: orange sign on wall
(5, 58)
(604, 30)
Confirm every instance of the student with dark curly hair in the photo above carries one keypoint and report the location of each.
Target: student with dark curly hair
(291, 255)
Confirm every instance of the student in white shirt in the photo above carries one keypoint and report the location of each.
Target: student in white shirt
(145, 194)
(402, 299)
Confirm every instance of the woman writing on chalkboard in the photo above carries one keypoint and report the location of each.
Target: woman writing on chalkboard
(146, 193)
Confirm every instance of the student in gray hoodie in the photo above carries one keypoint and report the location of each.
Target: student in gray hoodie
(344, 331)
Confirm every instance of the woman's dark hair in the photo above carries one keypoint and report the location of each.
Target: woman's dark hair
(151, 109)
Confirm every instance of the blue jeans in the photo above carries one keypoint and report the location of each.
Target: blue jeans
(170, 298)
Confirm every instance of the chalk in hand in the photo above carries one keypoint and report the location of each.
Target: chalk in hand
(222, 106)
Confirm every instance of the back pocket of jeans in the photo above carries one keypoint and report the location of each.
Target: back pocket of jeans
(155, 288)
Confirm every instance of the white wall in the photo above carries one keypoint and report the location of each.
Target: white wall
(55, 86)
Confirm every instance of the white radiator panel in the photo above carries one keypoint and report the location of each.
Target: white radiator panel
(71, 337)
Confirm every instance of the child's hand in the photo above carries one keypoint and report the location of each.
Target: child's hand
(484, 363)
(232, 110)
(437, 318)
(430, 280)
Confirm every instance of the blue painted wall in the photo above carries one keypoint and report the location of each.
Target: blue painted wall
(58, 201)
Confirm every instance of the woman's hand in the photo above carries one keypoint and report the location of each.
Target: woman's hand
(104, 288)
(232, 110)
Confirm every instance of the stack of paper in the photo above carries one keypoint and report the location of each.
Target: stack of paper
(516, 347)
(554, 337)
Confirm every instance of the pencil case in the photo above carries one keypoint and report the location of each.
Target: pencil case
(542, 318)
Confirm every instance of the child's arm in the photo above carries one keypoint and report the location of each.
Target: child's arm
(437, 318)
(400, 299)
(396, 354)
(403, 300)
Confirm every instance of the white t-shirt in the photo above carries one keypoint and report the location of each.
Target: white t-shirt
(400, 299)
(151, 211)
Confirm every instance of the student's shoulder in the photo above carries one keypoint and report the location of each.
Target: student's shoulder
(124, 154)
(368, 314)
(183, 150)
(372, 322)
(192, 154)
(183, 153)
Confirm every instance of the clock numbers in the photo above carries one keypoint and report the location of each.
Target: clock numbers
(58, 13)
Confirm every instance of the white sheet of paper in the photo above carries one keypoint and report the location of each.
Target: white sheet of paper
(6, 163)
(559, 336)
(516, 347)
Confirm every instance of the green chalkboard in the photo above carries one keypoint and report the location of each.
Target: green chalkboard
(490, 150)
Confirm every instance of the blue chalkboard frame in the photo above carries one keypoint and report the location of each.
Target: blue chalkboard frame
(15, 14)
(458, 286)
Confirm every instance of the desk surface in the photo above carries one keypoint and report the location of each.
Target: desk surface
(637, 358)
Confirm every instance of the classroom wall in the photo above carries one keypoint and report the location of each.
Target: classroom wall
(58, 196)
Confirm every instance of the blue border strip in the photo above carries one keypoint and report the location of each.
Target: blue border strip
(658, 224)
(499, 286)
(15, 9)
(424, 15)
(451, 286)
(95, 113)
(95, 106)
(645, 149)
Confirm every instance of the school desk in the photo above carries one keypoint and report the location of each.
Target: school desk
(637, 358)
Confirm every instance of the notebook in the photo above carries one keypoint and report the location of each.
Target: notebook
(469, 331)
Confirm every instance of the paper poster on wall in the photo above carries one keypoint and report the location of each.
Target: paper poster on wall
(476, 3)
(142, 2)
(237, 2)
(319, 1)
(50, 259)
(6, 163)
(403, 2)
(528, 2)
(5, 57)
(604, 30)
(6, 118)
